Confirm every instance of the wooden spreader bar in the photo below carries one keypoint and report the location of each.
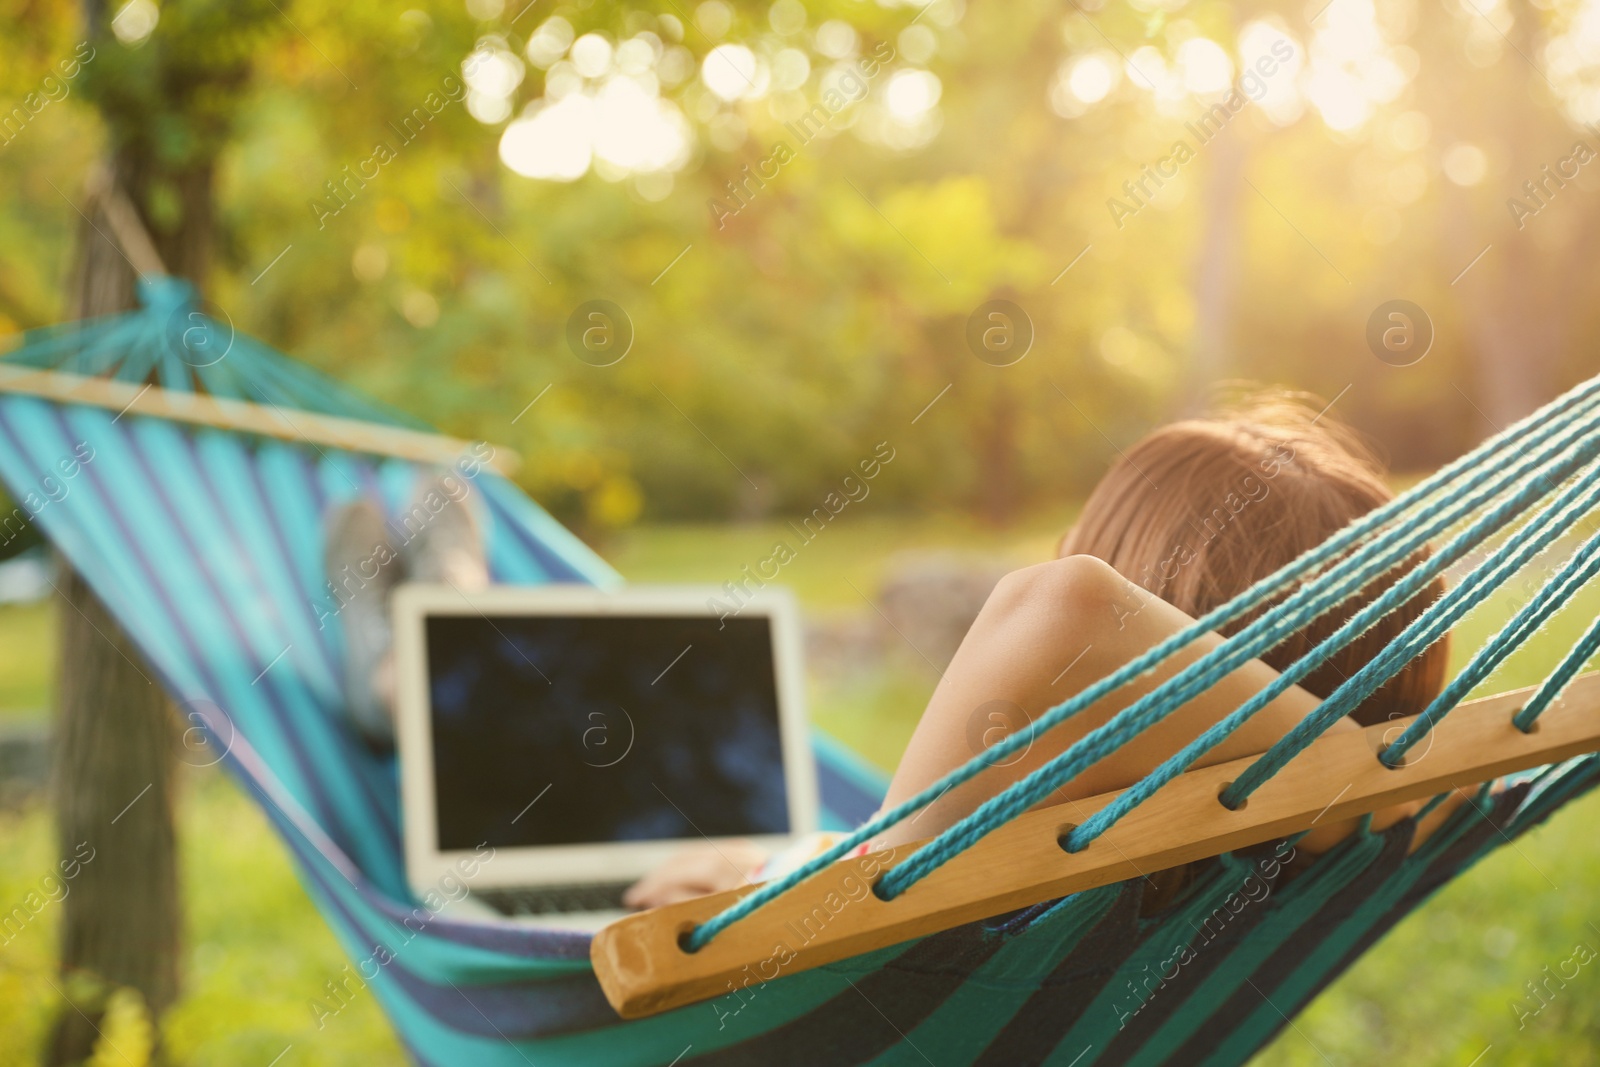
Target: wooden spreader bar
(829, 917)
(353, 435)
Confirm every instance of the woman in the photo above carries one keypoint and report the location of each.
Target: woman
(1188, 518)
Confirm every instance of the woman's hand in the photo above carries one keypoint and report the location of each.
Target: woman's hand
(695, 871)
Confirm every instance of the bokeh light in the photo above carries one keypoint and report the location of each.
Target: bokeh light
(729, 70)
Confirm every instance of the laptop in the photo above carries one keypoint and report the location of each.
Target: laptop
(558, 742)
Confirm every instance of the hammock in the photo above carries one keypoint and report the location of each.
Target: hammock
(194, 507)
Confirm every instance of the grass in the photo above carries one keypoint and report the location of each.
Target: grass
(27, 656)
(1443, 986)
(256, 950)
(1438, 990)
(841, 565)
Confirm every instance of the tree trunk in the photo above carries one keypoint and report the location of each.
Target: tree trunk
(113, 782)
(114, 806)
(1525, 299)
(997, 455)
(116, 744)
(1519, 334)
(1216, 269)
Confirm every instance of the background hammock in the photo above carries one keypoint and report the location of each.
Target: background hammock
(207, 547)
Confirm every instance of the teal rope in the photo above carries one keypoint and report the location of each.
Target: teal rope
(1583, 566)
(1307, 603)
(1422, 632)
(1427, 809)
(1396, 595)
(1271, 628)
(115, 343)
(131, 346)
(1587, 648)
(1478, 467)
(1482, 581)
(1428, 628)
(1425, 630)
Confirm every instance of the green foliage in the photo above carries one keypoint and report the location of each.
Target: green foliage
(172, 98)
(777, 344)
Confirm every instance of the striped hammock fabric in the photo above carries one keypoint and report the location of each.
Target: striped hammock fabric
(207, 546)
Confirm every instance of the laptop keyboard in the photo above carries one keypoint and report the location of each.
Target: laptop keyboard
(555, 900)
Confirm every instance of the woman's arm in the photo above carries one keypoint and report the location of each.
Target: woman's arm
(1044, 635)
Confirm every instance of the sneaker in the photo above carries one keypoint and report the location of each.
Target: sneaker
(444, 542)
(363, 568)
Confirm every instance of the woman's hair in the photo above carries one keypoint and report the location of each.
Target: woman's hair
(1200, 510)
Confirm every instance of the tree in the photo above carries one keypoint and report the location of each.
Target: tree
(1528, 293)
(166, 97)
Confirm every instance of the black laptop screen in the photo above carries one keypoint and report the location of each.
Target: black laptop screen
(585, 729)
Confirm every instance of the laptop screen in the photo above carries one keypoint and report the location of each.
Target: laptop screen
(570, 730)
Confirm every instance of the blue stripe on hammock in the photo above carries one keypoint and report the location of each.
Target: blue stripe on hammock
(242, 594)
(28, 459)
(1302, 956)
(851, 788)
(523, 527)
(534, 997)
(203, 606)
(1242, 1009)
(1106, 920)
(972, 1023)
(290, 495)
(230, 478)
(111, 498)
(397, 481)
(319, 733)
(638, 1042)
(880, 996)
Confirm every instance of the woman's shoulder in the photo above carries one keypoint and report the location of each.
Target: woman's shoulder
(1071, 601)
(1077, 577)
